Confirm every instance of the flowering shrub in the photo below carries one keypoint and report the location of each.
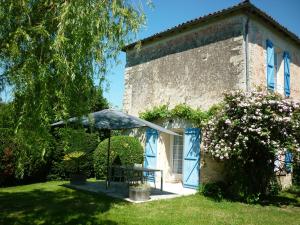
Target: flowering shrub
(251, 130)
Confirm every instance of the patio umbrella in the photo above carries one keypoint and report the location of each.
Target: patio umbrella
(110, 119)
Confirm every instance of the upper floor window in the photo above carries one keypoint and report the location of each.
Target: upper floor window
(278, 69)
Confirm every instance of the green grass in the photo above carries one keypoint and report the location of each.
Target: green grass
(51, 203)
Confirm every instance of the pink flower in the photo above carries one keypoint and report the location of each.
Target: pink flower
(227, 122)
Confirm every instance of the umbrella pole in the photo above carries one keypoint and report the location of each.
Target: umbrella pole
(107, 164)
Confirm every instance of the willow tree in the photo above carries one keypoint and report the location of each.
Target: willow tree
(52, 51)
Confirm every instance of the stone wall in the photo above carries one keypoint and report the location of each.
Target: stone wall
(285, 181)
(210, 170)
(194, 67)
(258, 34)
(164, 156)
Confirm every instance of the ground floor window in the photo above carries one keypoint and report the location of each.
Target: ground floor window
(177, 154)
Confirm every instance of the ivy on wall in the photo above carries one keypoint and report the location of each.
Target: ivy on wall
(197, 117)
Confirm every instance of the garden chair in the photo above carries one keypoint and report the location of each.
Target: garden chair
(146, 175)
(117, 174)
(150, 176)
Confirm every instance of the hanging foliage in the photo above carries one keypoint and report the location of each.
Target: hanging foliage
(196, 116)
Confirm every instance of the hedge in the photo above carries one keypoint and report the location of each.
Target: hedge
(21, 164)
(124, 148)
(72, 140)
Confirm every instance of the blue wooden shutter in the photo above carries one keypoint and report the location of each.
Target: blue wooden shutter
(288, 161)
(270, 65)
(191, 158)
(286, 59)
(151, 148)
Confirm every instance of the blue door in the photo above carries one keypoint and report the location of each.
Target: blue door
(191, 158)
(151, 148)
(151, 152)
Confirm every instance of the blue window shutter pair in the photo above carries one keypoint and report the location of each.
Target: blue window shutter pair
(270, 65)
(270, 69)
(191, 152)
(287, 81)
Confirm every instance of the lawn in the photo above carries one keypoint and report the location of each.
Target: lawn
(51, 203)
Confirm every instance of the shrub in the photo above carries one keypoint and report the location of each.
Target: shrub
(8, 149)
(33, 159)
(23, 157)
(69, 141)
(128, 149)
(73, 163)
(274, 187)
(296, 169)
(250, 130)
(215, 190)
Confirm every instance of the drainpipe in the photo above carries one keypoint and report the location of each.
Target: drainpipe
(247, 53)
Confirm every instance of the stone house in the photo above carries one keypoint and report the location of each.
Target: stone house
(240, 47)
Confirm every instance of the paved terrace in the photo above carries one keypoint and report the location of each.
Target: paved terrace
(120, 190)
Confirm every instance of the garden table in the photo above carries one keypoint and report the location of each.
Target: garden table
(127, 170)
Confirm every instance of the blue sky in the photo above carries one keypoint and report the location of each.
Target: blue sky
(169, 13)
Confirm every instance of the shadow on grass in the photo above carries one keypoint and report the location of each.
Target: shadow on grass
(290, 197)
(279, 201)
(295, 190)
(287, 197)
(54, 207)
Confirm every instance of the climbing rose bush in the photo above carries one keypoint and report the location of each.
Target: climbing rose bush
(251, 130)
(248, 119)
